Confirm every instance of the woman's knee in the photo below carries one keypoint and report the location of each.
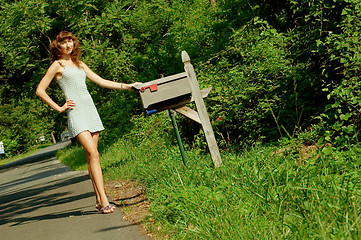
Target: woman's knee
(92, 153)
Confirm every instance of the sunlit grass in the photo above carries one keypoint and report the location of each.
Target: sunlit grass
(255, 194)
(74, 157)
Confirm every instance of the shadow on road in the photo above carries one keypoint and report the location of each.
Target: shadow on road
(17, 203)
(40, 198)
(43, 154)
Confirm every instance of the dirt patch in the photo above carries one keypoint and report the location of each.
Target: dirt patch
(305, 152)
(130, 197)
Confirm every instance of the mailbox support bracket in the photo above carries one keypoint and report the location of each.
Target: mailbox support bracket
(189, 113)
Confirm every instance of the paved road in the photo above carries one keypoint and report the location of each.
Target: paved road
(43, 199)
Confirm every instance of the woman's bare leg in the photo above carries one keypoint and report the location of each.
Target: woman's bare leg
(97, 196)
(91, 152)
(87, 156)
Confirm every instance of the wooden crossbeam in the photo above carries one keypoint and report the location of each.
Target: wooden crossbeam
(189, 113)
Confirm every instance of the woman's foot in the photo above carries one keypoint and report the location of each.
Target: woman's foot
(108, 209)
(98, 206)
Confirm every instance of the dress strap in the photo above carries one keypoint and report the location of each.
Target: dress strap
(60, 63)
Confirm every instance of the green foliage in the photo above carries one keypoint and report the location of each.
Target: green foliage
(11, 147)
(276, 67)
(24, 25)
(199, 40)
(344, 108)
(253, 85)
(116, 114)
(74, 157)
(22, 124)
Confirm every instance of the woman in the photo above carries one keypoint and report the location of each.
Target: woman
(83, 120)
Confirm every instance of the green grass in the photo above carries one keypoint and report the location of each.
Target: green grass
(256, 194)
(73, 156)
(26, 154)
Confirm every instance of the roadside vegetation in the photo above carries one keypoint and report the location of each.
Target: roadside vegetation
(284, 190)
(285, 107)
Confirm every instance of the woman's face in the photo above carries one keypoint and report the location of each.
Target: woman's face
(67, 46)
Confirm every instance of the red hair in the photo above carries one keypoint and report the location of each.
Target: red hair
(55, 49)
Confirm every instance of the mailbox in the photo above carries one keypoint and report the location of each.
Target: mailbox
(174, 92)
(165, 93)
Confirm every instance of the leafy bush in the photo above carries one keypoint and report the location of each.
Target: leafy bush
(254, 96)
(344, 109)
(24, 25)
(24, 123)
(11, 147)
(267, 63)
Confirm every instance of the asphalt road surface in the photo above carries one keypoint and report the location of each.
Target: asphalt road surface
(40, 198)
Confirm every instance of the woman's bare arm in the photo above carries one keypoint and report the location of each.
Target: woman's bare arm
(53, 70)
(106, 83)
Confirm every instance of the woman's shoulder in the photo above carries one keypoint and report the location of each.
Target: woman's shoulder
(82, 64)
(56, 69)
(57, 65)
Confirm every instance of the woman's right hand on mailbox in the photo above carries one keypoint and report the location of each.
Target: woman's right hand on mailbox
(132, 85)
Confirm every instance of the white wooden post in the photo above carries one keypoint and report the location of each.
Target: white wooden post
(202, 111)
